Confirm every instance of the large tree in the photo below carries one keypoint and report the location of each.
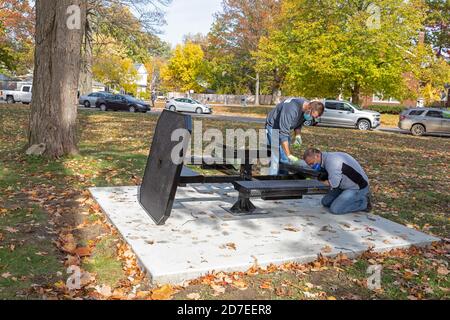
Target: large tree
(332, 47)
(234, 38)
(133, 23)
(185, 69)
(59, 33)
(16, 36)
(438, 26)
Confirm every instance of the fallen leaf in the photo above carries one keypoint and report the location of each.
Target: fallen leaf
(69, 244)
(72, 261)
(164, 293)
(331, 298)
(193, 296)
(83, 252)
(11, 230)
(292, 229)
(266, 285)
(240, 284)
(326, 249)
(231, 246)
(104, 290)
(218, 290)
(6, 275)
(443, 271)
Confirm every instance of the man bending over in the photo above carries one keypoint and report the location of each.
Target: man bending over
(350, 191)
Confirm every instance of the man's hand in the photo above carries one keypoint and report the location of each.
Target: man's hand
(298, 141)
(323, 176)
(294, 160)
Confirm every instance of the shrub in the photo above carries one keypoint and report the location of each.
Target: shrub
(386, 109)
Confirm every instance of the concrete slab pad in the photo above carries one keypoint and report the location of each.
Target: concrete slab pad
(201, 236)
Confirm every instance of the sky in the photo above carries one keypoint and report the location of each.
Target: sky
(188, 16)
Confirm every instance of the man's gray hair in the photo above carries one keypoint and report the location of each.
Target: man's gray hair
(311, 152)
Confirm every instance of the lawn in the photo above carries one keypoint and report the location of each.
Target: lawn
(49, 222)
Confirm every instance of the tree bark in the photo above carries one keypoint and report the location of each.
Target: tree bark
(56, 77)
(86, 68)
(356, 90)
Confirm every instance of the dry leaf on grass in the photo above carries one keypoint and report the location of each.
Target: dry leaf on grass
(164, 293)
(443, 271)
(11, 230)
(240, 284)
(83, 252)
(193, 296)
(266, 285)
(218, 290)
(104, 290)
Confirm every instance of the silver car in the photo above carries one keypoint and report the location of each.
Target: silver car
(420, 121)
(187, 105)
(90, 100)
(346, 114)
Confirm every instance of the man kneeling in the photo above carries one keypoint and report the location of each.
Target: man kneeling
(349, 183)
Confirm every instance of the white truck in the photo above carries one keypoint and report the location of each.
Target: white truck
(22, 95)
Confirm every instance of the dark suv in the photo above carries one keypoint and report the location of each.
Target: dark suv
(122, 102)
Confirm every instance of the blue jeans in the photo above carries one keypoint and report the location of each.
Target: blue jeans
(346, 201)
(276, 159)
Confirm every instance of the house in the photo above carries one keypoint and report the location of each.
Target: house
(142, 78)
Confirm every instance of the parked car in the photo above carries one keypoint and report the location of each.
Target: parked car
(122, 102)
(90, 100)
(346, 114)
(423, 120)
(187, 105)
(22, 95)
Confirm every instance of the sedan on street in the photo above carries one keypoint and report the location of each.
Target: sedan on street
(187, 105)
(122, 102)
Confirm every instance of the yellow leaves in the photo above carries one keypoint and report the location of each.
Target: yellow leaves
(164, 293)
(184, 68)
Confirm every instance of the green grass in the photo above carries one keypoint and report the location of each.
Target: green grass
(104, 263)
(26, 256)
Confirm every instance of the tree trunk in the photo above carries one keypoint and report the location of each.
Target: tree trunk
(356, 92)
(56, 75)
(257, 90)
(86, 68)
(276, 88)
